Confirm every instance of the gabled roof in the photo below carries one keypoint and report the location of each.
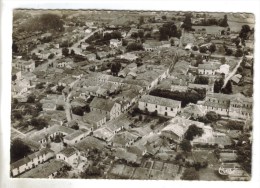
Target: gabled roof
(160, 101)
(93, 117)
(102, 104)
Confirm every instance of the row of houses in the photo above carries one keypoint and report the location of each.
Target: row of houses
(235, 106)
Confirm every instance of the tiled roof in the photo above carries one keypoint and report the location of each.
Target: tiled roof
(68, 151)
(93, 117)
(102, 104)
(160, 101)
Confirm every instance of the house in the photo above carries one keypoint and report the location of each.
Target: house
(161, 106)
(217, 102)
(31, 161)
(240, 106)
(70, 155)
(224, 69)
(103, 134)
(18, 90)
(47, 134)
(236, 78)
(208, 88)
(23, 65)
(176, 128)
(91, 56)
(48, 106)
(47, 170)
(16, 74)
(64, 62)
(194, 110)
(124, 139)
(106, 107)
(75, 137)
(95, 119)
(115, 43)
(128, 56)
(207, 69)
(29, 76)
(102, 55)
(84, 45)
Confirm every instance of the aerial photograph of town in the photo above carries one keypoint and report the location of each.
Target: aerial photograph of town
(127, 94)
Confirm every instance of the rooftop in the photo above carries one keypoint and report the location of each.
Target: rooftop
(160, 101)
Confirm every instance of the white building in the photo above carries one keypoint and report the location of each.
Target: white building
(115, 43)
(162, 106)
(69, 155)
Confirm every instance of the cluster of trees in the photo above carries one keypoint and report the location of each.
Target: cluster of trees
(244, 148)
(28, 109)
(44, 23)
(169, 30)
(38, 123)
(201, 80)
(210, 117)
(139, 34)
(235, 125)
(113, 35)
(134, 47)
(218, 87)
(245, 31)
(186, 145)
(115, 68)
(187, 24)
(213, 21)
(18, 150)
(78, 110)
(191, 96)
(190, 174)
(192, 132)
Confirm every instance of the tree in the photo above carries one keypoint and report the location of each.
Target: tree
(239, 53)
(169, 30)
(18, 150)
(224, 21)
(244, 32)
(31, 99)
(115, 68)
(212, 48)
(195, 48)
(201, 80)
(60, 88)
(134, 47)
(78, 111)
(223, 60)
(186, 145)
(60, 107)
(39, 123)
(199, 60)
(187, 24)
(17, 115)
(65, 52)
(192, 132)
(228, 51)
(14, 77)
(203, 49)
(212, 116)
(164, 17)
(141, 20)
(51, 56)
(228, 88)
(218, 85)
(190, 174)
(72, 52)
(15, 48)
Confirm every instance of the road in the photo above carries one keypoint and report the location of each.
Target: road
(231, 74)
